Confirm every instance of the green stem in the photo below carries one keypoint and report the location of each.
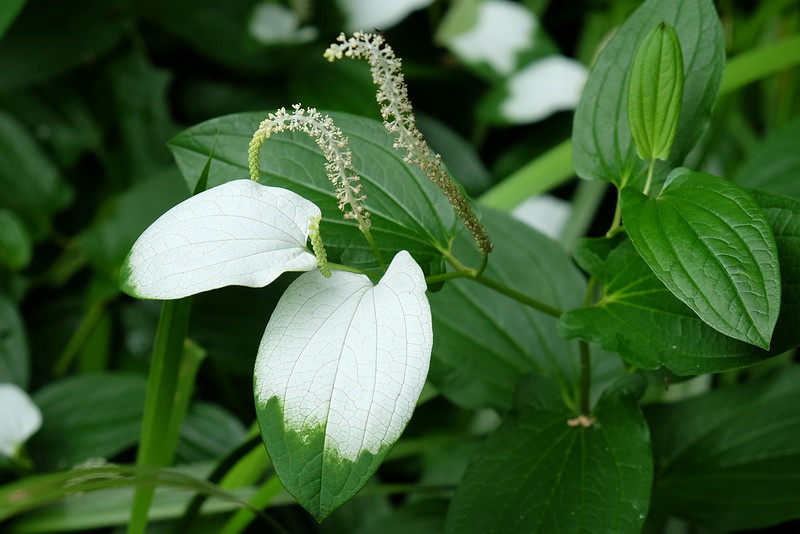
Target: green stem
(373, 244)
(161, 387)
(586, 377)
(519, 297)
(78, 339)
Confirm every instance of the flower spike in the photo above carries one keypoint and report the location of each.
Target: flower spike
(331, 141)
(398, 117)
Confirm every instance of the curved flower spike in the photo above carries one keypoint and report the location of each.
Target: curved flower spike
(239, 233)
(338, 374)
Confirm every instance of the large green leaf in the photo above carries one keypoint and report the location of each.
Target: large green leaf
(730, 459)
(484, 341)
(639, 318)
(15, 242)
(32, 186)
(88, 416)
(603, 148)
(14, 363)
(775, 164)
(709, 242)
(8, 12)
(540, 472)
(408, 212)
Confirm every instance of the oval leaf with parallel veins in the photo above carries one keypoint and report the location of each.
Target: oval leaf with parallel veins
(339, 371)
(239, 233)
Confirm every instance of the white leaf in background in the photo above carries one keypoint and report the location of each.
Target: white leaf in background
(20, 418)
(502, 30)
(545, 86)
(347, 358)
(276, 24)
(365, 15)
(239, 233)
(545, 213)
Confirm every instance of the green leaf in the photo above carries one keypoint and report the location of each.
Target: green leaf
(32, 186)
(14, 360)
(730, 459)
(485, 341)
(15, 243)
(655, 93)
(771, 164)
(709, 242)
(648, 326)
(602, 143)
(87, 416)
(640, 319)
(538, 473)
(408, 212)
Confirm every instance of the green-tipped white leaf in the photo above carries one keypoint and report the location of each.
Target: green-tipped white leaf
(239, 233)
(20, 418)
(338, 374)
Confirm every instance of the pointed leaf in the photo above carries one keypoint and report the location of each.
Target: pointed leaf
(538, 473)
(408, 211)
(709, 242)
(655, 93)
(338, 374)
(240, 233)
(602, 142)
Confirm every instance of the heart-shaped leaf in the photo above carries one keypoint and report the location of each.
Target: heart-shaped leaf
(543, 471)
(239, 233)
(709, 242)
(602, 142)
(408, 211)
(339, 371)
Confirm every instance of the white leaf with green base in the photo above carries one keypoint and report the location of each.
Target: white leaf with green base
(239, 233)
(339, 371)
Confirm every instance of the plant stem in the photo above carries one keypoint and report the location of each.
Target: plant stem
(519, 297)
(586, 377)
(162, 384)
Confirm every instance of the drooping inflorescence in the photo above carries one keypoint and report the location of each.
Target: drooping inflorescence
(318, 246)
(332, 142)
(398, 117)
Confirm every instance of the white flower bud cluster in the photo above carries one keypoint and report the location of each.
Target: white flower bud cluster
(398, 117)
(331, 141)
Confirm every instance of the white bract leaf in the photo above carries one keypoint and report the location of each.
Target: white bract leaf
(545, 86)
(347, 358)
(502, 30)
(239, 233)
(364, 15)
(20, 418)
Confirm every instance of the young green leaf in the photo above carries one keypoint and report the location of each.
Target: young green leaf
(14, 357)
(239, 233)
(339, 371)
(542, 471)
(728, 460)
(709, 242)
(655, 93)
(602, 142)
